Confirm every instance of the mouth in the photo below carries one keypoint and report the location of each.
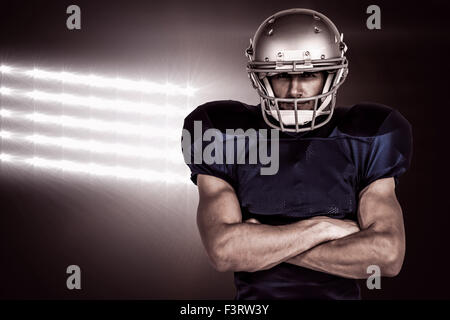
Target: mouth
(300, 106)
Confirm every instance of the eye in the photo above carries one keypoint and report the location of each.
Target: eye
(309, 75)
(282, 76)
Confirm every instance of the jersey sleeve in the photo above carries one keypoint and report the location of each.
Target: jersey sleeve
(193, 145)
(390, 151)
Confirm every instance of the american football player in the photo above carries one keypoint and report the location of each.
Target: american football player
(331, 211)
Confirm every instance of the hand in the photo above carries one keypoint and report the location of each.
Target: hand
(338, 228)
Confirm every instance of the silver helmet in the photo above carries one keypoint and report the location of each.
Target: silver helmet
(295, 41)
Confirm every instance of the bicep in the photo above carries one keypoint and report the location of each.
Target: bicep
(218, 207)
(379, 208)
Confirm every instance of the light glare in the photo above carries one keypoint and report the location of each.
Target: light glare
(145, 175)
(5, 91)
(107, 104)
(116, 127)
(5, 69)
(115, 83)
(106, 148)
(101, 170)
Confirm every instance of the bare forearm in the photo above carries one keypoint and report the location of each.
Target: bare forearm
(349, 257)
(252, 247)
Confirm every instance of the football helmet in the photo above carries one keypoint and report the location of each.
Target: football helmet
(296, 41)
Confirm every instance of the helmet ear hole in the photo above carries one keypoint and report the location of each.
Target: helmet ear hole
(249, 50)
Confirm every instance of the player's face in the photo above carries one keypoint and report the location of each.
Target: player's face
(303, 85)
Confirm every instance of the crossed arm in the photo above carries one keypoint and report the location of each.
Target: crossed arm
(324, 244)
(381, 240)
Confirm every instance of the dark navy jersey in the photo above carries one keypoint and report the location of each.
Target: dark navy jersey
(321, 172)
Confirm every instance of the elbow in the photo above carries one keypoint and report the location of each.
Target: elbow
(225, 259)
(218, 256)
(393, 258)
(219, 261)
(392, 265)
(220, 266)
(226, 254)
(392, 270)
(223, 262)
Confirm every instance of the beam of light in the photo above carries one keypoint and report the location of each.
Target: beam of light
(145, 175)
(100, 103)
(143, 86)
(114, 127)
(5, 134)
(5, 69)
(5, 157)
(5, 113)
(106, 104)
(98, 147)
(5, 91)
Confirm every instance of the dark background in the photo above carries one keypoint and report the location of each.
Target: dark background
(139, 240)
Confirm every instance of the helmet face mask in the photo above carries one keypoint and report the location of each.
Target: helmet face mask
(297, 41)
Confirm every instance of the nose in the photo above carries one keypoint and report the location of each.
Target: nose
(296, 87)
